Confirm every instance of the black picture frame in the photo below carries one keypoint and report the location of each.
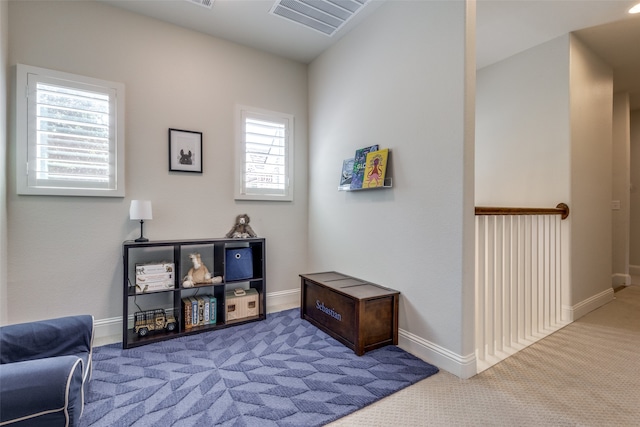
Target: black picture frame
(185, 151)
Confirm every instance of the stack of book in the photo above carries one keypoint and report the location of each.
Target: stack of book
(154, 277)
(199, 311)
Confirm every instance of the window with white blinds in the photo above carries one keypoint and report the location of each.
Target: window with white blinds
(264, 155)
(70, 134)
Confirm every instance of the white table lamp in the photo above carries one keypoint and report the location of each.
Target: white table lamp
(140, 210)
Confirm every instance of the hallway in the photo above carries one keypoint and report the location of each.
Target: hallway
(586, 374)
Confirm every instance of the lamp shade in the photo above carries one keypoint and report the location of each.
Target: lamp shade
(140, 209)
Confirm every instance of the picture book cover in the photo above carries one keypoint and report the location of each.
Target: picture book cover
(359, 164)
(375, 169)
(346, 175)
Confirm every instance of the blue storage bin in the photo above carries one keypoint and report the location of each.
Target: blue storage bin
(238, 264)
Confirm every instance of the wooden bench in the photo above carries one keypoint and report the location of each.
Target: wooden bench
(361, 315)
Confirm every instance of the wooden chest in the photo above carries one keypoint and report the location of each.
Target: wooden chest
(361, 315)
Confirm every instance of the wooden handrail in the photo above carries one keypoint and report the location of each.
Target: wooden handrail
(561, 209)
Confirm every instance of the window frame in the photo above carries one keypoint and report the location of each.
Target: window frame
(240, 190)
(26, 134)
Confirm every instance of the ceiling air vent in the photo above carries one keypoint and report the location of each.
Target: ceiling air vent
(204, 3)
(325, 16)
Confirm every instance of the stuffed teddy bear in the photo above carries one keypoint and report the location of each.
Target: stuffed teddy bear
(241, 229)
(199, 273)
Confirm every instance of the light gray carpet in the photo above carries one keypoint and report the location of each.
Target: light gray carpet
(586, 374)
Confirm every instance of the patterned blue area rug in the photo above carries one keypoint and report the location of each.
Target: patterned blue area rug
(282, 371)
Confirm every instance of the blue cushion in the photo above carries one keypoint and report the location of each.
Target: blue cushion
(44, 370)
(42, 392)
(46, 338)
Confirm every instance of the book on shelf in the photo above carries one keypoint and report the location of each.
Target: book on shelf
(154, 282)
(376, 168)
(346, 175)
(206, 312)
(212, 309)
(154, 277)
(142, 279)
(143, 288)
(194, 311)
(155, 268)
(186, 311)
(359, 164)
(201, 306)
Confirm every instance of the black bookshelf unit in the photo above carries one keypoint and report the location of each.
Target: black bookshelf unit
(165, 263)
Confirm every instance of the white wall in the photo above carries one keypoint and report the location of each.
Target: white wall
(399, 80)
(523, 137)
(65, 252)
(620, 191)
(543, 136)
(591, 89)
(634, 236)
(522, 129)
(4, 37)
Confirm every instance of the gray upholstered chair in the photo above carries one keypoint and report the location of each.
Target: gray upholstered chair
(45, 368)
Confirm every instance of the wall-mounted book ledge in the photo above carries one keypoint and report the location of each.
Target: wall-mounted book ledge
(388, 183)
(366, 170)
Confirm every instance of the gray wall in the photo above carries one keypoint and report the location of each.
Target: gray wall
(634, 239)
(65, 252)
(591, 105)
(621, 180)
(401, 80)
(4, 37)
(522, 132)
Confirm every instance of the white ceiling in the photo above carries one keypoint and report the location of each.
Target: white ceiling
(245, 22)
(504, 28)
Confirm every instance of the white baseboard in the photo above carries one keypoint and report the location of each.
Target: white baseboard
(461, 366)
(107, 328)
(282, 300)
(110, 330)
(572, 313)
(634, 270)
(619, 279)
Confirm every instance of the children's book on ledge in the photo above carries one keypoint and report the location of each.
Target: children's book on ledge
(359, 165)
(376, 168)
(367, 169)
(347, 174)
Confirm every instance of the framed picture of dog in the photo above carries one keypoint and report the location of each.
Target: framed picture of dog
(185, 151)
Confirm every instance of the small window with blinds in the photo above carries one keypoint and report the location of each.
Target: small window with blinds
(264, 155)
(70, 134)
